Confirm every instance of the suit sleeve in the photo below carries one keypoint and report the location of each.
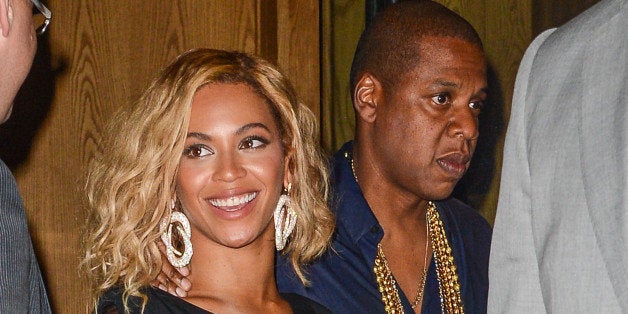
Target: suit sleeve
(514, 285)
(21, 286)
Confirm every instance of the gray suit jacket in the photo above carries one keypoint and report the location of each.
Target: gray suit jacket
(21, 286)
(560, 240)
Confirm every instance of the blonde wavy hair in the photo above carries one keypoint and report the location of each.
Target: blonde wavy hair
(131, 181)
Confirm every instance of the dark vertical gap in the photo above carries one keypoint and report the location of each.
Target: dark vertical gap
(267, 30)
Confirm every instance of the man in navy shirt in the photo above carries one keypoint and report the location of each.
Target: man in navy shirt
(419, 81)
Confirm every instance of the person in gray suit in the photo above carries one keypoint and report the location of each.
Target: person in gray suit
(21, 286)
(560, 239)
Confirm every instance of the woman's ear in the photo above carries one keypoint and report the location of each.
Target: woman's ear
(367, 95)
(6, 17)
(287, 173)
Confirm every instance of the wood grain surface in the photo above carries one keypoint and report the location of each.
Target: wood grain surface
(99, 55)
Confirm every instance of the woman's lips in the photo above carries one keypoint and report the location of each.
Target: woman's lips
(455, 164)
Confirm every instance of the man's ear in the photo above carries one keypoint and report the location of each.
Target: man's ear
(367, 94)
(6, 16)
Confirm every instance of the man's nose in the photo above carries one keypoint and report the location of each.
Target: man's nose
(464, 123)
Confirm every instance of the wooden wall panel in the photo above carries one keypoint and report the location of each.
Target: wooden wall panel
(342, 29)
(100, 55)
(298, 51)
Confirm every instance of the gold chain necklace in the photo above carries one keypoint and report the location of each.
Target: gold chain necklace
(448, 285)
(418, 299)
(385, 279)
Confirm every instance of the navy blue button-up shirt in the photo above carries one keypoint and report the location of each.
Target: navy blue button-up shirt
(343, 279)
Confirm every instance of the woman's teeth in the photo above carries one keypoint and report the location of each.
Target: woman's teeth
(233, 201)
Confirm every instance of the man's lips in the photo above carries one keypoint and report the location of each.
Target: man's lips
(455, 164)
(232, 203)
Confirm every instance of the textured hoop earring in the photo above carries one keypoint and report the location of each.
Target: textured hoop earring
(285, 220)
(175, 257)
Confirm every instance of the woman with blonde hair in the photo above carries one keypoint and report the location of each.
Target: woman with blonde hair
(219, 161)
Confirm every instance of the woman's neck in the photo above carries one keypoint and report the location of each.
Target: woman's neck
(227, 279)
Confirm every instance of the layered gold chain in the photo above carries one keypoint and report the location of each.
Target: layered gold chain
(387, 284)
(448, 284)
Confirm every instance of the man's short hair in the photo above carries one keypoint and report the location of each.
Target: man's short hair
(390, 46)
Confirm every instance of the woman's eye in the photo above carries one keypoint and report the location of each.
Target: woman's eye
(196, 151)
(440, 99)
(253, 142)
(476, 105)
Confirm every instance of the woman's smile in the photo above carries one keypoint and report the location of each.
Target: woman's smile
(232, 203)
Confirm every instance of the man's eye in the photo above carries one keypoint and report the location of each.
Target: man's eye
(253, 142)
(476, 105)
(440, 99)
(196, 151)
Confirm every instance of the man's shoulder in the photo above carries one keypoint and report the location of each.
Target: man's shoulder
(6, 177)
(579, 31)
(594, 18)
(7, 181)
(11, 206)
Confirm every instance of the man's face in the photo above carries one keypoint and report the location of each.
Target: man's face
(18, 49)
(427, 127)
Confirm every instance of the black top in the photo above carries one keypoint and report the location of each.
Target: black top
(163, 302)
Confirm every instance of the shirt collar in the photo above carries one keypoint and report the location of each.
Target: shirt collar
(354, 217)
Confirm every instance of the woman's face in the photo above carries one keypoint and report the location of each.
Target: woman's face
(233, 167)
